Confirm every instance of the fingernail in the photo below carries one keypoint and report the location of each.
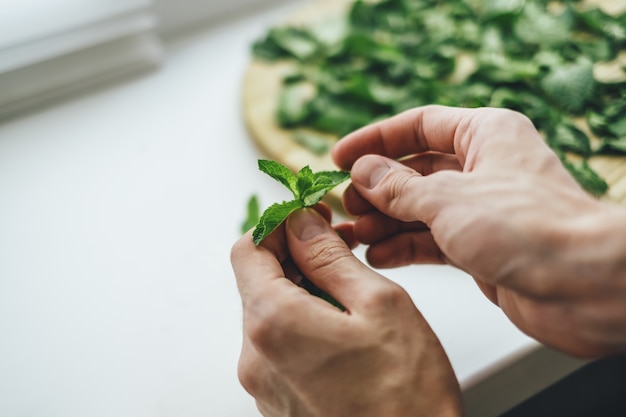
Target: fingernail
(375, 168)
(306, 224)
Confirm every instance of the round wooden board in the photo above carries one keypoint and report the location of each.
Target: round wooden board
(261, 91)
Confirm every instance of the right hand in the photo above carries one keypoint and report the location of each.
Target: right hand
(303, 357)
(479, 189)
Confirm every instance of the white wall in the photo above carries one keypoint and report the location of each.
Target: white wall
(179, 14)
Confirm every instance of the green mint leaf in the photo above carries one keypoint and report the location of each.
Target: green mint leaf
(316, 291)
(568, 137)
(272, 217)
(618, 128)
(315, 142)
(293, 106)
(538, 27)
(614, 146)
(253, 214)
(570, 86)
(586, 177)
(281, 174)
(324, 182)
(307, 187)
(333, 178)
(304, 181)
(286, 42)
(268, 50)
(498, 9)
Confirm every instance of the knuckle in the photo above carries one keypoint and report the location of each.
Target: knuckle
(261, 324)
(248, 376)
(328, 254)
(399, 187)
(268, 325)
(237, 251)
(440, 186)
(387, 297)
(502, 115)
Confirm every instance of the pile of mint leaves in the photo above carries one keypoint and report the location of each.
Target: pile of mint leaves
(384, 57)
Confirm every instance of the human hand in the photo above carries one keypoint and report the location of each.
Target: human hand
(479, 189)
(303, 357)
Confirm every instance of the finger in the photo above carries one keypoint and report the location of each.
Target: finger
(259, 378)
(459, 131)
(271, 259)
(354, 204)
(376, 226)
(252, 371)
(326, 260)
(401, 193)
(488, 290)
(275, 241)
(325, 210)
(424, 164)
(428, 128)
(405, 249)
(431, 162)
(345, 230)
(280, 318)
(255, 266)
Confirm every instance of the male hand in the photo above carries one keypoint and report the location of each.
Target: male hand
(303, 357)
(480, 189)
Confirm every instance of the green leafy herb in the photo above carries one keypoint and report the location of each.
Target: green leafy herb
(570, 86)
(253, 214)
(308, 188)
(317, 143)
(386, 56)
(568, 137)
(586, 177)
(287, 42)
(316, 291)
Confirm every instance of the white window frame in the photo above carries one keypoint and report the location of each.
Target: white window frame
(111, 41)
(175, 15)
(83, 47)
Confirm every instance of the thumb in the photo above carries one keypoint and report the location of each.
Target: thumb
(326, 260)
(400, 192)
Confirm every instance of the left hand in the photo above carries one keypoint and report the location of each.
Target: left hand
(481, 190)
(303, 357)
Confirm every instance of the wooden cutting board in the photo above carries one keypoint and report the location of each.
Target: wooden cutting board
(261, 91)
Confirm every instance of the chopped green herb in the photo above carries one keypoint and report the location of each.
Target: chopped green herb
(586, 177)
(386, 56)
(568, 137)
(317, 143)
(570, 86)
(615, 146)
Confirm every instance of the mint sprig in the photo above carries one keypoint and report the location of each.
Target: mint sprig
(308, 188)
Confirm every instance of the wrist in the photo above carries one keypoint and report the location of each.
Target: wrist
(599, 243)
(596, 285)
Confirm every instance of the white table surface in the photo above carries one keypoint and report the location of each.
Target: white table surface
(118, 209)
